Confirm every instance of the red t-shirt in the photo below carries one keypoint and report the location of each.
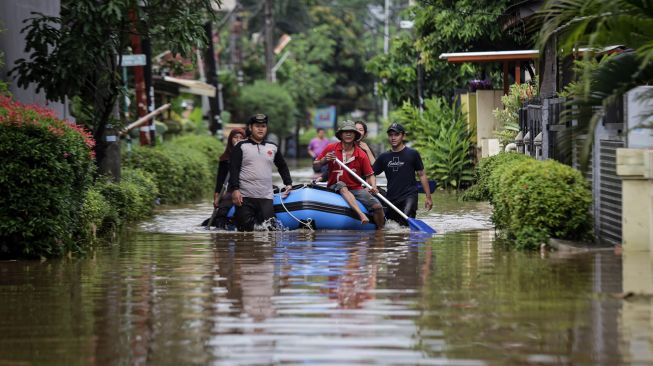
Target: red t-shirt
(359, 163)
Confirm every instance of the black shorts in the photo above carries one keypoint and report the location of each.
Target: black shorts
(407, 205)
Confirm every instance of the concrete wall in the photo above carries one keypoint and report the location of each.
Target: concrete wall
(468, 107)
(635, 167)
(12, 44)
(486, 102)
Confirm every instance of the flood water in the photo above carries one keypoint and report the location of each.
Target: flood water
(172, 293)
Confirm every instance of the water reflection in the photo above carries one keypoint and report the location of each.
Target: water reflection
(326, 297)
(322, 298)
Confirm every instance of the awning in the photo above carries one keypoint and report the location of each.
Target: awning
(516, 56)
(490, 56)
(192, 86)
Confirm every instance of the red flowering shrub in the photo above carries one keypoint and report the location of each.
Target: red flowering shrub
(46, 166)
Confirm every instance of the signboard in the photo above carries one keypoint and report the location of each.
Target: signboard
(406, 24)
(325, 117)
(133, 60)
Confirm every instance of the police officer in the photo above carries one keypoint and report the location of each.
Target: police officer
(250, 175)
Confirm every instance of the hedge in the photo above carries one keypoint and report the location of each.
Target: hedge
(109, 205)
(48, 204)
(47, 165)
(535, 200)
(96, 215)
(208, 145)
(180, 172)
(480, 191)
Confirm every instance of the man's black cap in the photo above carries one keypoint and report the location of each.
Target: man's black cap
(396, 127)
(258, 118)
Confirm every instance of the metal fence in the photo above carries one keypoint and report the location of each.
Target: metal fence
(545, 135)
(530, 123)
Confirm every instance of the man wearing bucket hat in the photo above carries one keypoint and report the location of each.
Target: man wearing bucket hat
(400, 164)
(343, 182)
(250, 175)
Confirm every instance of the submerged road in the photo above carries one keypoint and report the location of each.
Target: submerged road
(172, 293)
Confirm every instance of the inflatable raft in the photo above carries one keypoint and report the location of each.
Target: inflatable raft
(319, 207)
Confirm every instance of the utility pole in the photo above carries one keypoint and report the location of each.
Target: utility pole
(386, 48)
(139, 80)
(269, 41)
(215, 123)
(420, 77)
(149, 87)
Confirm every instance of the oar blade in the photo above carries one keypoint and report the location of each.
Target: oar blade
(419, 225)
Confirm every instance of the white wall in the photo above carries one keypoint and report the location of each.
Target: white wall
(486, 102)
(12, 44)
(639, 109)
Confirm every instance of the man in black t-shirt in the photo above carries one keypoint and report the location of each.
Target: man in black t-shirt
(400, 165)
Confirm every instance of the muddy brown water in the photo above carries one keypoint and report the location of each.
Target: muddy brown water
(171, 293)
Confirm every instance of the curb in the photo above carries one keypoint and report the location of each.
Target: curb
(578, 247)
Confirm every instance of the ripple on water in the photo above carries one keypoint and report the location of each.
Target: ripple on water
(392, 297)
(448, 215)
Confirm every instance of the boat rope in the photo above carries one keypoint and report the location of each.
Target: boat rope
(307, 224)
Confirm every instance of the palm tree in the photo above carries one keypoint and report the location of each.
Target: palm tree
(595, 25)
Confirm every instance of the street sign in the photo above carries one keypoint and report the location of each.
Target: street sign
(406, 24)
(133, 60)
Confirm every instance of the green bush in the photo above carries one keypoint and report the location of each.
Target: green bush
(210, 146)
(147, 192)
(132, 198)
(271, 99)
(96, 212)
(534, 200)
(180, 173)
(441, 135)
(108, 205)
(502, 175)
(196, 121)
(47, 165)
(226, 117)
(508, 117)
(480, 191)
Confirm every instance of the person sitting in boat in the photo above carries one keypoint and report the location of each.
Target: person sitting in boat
(400, 165)
(221, 197)
(250, 175)
(361, 126)
(342, 182)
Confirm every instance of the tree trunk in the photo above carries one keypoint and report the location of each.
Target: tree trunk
(107, 142)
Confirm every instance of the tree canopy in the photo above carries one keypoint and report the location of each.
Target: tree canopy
(76, 54)
(271, 99)
(442, 26)
(301, 74)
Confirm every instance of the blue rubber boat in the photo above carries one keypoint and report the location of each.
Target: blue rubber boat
(319, 207)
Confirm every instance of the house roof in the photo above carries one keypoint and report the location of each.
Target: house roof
(490, 56)
(192, 86)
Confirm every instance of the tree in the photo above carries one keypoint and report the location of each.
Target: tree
(301, 74)
(441, 134)
(442, 26)
(595, 24)
(76, 54)
(329, 46)
(353, 86)
(271, 99)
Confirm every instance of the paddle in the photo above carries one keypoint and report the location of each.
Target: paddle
(415, 224)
